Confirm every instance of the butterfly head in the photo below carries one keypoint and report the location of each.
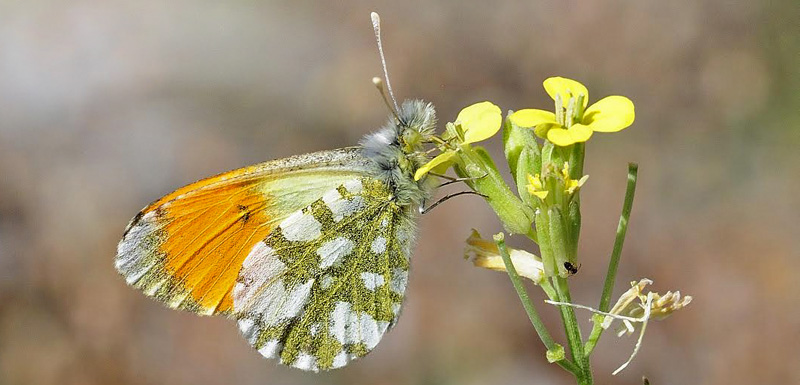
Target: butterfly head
(398, 151)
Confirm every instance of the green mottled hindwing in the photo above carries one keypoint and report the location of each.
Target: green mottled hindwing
(323, 287)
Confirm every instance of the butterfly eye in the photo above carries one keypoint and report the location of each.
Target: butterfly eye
(411, 139)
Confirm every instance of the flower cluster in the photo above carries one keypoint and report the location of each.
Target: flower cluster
(545, 154)
(537, 184)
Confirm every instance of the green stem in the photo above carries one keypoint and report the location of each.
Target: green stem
(573, 332)
(622, 228)
(591, 342)
(613, 264)
(537, 323)
(549, 290)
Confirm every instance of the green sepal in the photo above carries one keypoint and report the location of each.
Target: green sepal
(524, 158)
(545, 248)
(555, 354)
(517, 139)
(558, 238)
(574, 227)
(548, 151)
(576, 157)
(477, 164)
(527, 166)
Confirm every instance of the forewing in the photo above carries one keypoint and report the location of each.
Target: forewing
(186, 248)
(323, 287)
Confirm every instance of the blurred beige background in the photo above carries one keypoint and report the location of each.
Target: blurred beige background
(107, 106)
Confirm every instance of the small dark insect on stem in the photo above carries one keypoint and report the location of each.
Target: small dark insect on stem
(572, 269)
(425, 210)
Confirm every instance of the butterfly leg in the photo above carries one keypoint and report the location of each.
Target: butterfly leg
(451, 180)
(425, 210)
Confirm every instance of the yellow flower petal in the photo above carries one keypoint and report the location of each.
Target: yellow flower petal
(427, 167)
(610, 114)
(542, 129)
(572, 185)
(567, 88)
(484, 253)
(539, 194)
(560, 137)
(535, 186)
(532, 117)
(479, 121)
(534, 180)
(565, 137)
(580, 133)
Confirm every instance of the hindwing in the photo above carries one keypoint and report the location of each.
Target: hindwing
(325, 285)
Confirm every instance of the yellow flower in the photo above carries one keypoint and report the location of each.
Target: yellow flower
(475, 123)
(484, 253)
(536, 187)
(571, 185)
(536, 183)
(572, 122)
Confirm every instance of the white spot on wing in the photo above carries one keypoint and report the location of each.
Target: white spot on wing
(340, 360)
(405, 238)
(399, 281)
(369, 335)
(135, 248)
(305, 361)
(350, 327)
(248, 330)
(151, 290)
(296, 300)
(379, 245)
(260, 267)
(276, 303)
(383, 326)
(133, 276)
(354, 186)
(330, 252)
(340, 207)
(339, 315)
(301, 227)
(372, 280)
(331, 197)
(327, 280)
(271, 349)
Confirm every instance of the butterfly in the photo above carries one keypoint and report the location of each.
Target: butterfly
(309, 254)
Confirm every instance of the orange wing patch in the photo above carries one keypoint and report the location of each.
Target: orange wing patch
(186, 249)
(210, 237)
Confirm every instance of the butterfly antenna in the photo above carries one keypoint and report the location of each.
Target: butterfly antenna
(376, 26)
